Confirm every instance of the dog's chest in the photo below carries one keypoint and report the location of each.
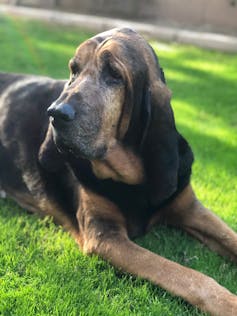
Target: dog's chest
(134, 204)
(132, 200)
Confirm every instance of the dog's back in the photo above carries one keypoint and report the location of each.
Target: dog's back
(7, 79)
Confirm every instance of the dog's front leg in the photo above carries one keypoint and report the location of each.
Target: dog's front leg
(104, 233)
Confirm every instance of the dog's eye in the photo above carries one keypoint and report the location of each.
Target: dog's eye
(112, 75)
(74, 70)
(73, 66)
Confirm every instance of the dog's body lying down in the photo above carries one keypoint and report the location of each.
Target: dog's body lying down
(110, 163)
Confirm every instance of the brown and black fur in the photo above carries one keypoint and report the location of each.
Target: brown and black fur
(109, 163)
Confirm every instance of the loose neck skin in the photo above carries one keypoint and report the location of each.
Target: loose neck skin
(119, 164)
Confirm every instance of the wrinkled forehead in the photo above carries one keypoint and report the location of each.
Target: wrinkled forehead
(120, 42)
(125, 45)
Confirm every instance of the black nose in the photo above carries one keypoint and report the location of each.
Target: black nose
(63, 111)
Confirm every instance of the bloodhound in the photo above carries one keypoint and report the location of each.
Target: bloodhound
(108, 163)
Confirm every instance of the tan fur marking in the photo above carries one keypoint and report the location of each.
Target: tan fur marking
(113, 102)
(120, 164)
(92, 207)
(187, 212)
(123, 114)
(198, 289)
(86, 51)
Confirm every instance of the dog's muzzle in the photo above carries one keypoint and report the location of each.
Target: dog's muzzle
(76, 130)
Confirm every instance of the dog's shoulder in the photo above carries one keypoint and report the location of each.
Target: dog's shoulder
(23, 103)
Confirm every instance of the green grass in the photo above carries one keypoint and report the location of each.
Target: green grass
(41, 270)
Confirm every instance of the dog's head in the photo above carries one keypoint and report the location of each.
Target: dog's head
(109, 83)
(117, 95)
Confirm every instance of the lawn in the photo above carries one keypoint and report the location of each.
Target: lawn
(42, 272)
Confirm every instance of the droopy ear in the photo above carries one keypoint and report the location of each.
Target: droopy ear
(160, 150)
(49, 157)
